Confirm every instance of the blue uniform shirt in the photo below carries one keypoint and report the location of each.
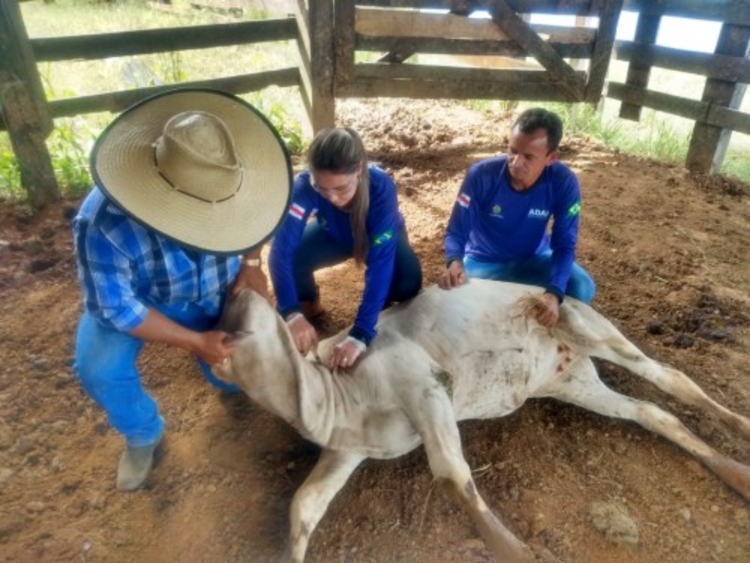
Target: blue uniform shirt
(123, 267)
(492, 222)
(383, 224)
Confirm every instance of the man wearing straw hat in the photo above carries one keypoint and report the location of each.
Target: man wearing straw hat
(189, 185)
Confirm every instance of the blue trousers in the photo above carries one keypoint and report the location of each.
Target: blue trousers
(105, 363)
(534, 271)
(317, 250)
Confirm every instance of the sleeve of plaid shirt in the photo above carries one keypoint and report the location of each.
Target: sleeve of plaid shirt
(105, 274)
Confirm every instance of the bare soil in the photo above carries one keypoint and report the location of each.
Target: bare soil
(669, 251)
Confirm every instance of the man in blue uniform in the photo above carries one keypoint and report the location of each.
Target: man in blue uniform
(499, 225)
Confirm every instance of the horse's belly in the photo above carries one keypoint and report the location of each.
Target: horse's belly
(380, 434)
(493, 389)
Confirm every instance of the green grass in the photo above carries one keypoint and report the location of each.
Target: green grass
(654, 136)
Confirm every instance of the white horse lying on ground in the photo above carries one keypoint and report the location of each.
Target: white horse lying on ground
(472, 352)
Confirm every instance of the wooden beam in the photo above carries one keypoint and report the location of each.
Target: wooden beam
(722, 67)
(440, 46)
(118, 101)
(403, 23)
(457, 90)
(727, 118)
(449, 73)
(398, 27)
(668, 103)
(98, 46)
(709, 143)
(561, 73)
(694, 110)
(608, 18)
(639, 69)
(557, 7)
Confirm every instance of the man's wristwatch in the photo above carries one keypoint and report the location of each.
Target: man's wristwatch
(252, 262)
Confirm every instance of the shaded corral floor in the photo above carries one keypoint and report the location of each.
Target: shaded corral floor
(670, 254)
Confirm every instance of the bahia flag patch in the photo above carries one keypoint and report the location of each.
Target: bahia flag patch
(463, 199)
(296, 210)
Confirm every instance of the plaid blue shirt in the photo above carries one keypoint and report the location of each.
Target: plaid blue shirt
(124, 268)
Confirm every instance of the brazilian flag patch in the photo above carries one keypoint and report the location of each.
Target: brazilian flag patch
(574, 209)
(383, 237)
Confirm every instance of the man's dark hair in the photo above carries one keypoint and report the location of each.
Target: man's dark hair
(540, 118)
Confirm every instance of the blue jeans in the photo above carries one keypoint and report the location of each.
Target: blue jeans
(317, 250)
(534, 271)
(105, 363)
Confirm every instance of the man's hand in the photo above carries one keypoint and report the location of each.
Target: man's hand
(214, 346)
(453, 276)
(303, 333)
(548, 314)
(345, 353)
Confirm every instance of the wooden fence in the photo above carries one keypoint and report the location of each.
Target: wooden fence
(330, 35)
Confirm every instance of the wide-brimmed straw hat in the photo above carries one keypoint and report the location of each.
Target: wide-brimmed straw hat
(199, 166)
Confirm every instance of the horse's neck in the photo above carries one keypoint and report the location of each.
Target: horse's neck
(295, 388)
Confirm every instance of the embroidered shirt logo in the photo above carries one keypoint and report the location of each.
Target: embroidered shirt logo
(539, 213)
(496, 210)
(296, 210)
(575, 209)
(383, 237)
(463, 200)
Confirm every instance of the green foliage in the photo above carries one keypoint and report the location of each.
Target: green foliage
(10, 173)
(583, 120)
(69, 146)
(652, 137)
(272, 104)
(737, 165)
(171, 67)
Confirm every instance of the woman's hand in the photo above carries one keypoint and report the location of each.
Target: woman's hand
(303, 333)
(345, 353)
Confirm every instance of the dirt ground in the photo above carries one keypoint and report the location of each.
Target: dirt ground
(670, 254)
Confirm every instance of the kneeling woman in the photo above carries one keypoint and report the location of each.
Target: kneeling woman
(356, 215)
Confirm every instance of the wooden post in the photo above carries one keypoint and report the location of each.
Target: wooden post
(609, 15)
(344, 44)
(24, 107)
(322, 61)
(306, 84)
(708, 145)
(638, 73)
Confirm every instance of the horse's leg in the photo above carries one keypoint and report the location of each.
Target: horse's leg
(619, 350)
(581, 386)
(311, 500)
(432, 413)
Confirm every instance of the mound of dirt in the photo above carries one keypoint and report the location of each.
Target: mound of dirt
(669, 252)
